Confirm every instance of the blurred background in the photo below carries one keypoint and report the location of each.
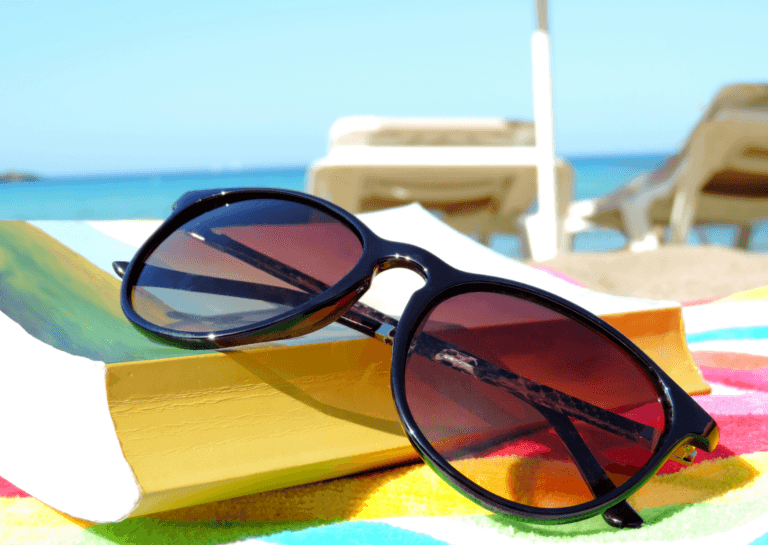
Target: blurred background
(167, 91)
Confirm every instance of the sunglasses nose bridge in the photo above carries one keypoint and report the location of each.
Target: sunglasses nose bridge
(400, 261)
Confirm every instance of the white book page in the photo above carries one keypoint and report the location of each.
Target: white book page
(412, 224)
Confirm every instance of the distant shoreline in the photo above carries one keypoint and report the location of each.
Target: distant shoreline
(14, 176)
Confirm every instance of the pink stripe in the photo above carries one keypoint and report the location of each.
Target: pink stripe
(697, 302)
(752, 403)
(756, 379)
(7, 490)
(561, 276)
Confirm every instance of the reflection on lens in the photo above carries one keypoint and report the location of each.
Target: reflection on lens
(243, 263)
(558, 416)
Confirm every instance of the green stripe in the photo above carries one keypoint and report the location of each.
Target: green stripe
(667, 524)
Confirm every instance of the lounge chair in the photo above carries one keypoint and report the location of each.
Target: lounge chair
(478, 174)
(719, 177)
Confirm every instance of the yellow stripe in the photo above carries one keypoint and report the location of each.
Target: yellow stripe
(410, 491)
(26, 520)
(417, 491)
(728, 480)
(749, 295)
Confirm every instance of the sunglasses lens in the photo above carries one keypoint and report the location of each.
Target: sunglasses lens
(243, 263)
(528, 403)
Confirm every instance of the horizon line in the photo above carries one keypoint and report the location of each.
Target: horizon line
(292, 167)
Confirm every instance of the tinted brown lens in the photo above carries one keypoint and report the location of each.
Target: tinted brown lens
(243, 263)
(559, 415)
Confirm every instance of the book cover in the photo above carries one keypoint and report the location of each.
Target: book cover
(114, 425)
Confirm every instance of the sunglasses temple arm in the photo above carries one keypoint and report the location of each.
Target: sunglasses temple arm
(369, 321)
(373, 323)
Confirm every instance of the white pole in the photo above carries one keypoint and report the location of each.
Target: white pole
(543, 227)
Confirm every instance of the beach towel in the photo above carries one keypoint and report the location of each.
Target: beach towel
(722, 497)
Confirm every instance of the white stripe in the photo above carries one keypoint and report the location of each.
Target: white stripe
(715, 316)
(459, 531)
(92, 244)
(725, 390)
(453, 531)
(754, 347)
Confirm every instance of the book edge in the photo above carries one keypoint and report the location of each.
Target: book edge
(69, 457)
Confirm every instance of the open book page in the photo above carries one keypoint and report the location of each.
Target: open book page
(391, 290)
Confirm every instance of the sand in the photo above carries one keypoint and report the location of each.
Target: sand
(676, 273)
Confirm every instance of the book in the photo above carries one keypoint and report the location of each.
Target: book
(114, 425)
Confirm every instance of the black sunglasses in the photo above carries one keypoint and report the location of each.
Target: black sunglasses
(524, 402)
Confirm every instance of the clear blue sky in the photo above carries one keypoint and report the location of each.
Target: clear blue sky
(108, 87)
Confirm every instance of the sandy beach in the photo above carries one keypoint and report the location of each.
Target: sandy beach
(677, 273)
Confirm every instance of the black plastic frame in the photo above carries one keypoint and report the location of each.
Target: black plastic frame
(687, 423)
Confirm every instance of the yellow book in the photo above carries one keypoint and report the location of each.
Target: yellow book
(106, 424)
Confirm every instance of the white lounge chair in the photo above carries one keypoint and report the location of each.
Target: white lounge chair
(479, 174)
(719, 177)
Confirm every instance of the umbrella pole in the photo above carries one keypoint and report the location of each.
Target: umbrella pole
(543, 228)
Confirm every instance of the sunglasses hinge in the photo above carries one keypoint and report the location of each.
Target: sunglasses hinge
(386, 333)
(684, 454)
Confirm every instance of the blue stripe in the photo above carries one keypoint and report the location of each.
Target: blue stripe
(357, 532)
(761, 540)
(730, 334)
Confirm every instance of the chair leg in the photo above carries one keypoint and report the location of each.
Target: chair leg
(566, 242)
(745, 235)
(634, 215)
(523, 238)
(683, 213)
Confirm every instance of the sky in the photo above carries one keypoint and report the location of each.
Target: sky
(96, 87)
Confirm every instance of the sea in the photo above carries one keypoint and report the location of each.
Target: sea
(151, 195)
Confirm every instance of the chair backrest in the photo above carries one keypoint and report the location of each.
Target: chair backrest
(751, 96)
(738, 123)
(379, 131)
(727, 152)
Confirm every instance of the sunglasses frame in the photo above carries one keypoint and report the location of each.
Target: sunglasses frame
(687, 424)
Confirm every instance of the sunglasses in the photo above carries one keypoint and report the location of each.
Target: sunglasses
(524, 402)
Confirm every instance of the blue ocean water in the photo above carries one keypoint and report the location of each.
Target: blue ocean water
(152, 195)
(126, 196)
